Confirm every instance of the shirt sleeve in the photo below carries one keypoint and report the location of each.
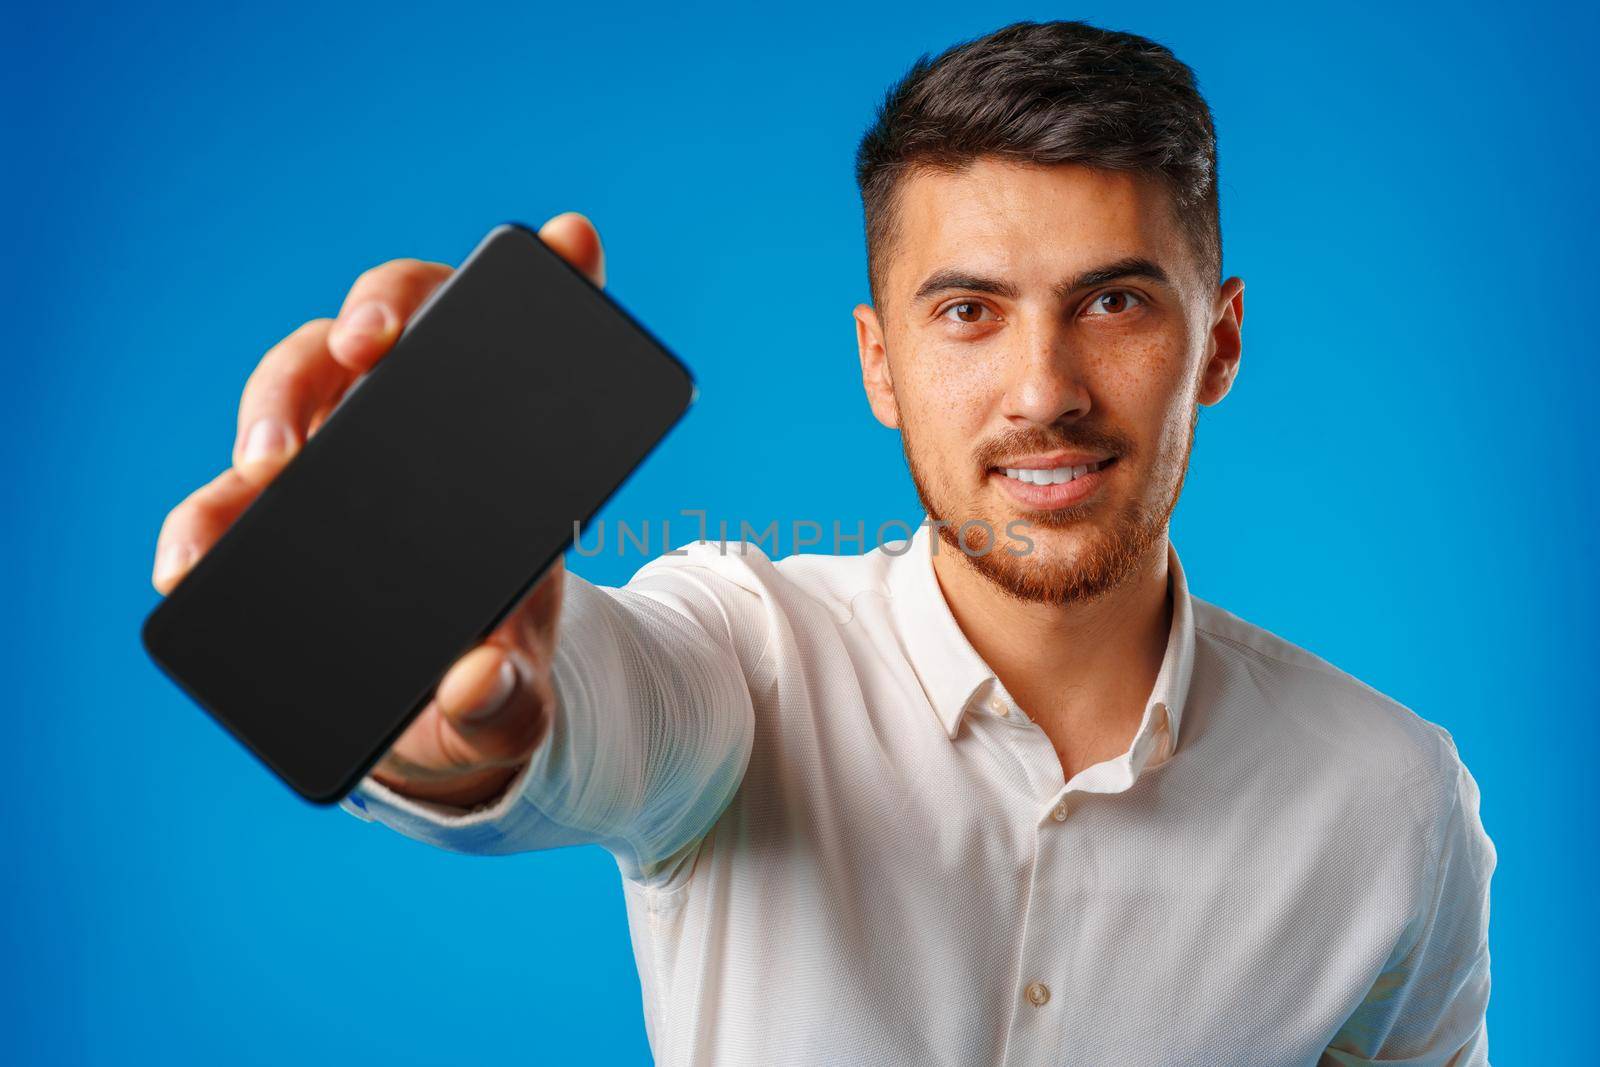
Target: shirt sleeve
(651, 731)
(1427, 1008)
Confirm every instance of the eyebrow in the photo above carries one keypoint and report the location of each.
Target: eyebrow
(949, 278)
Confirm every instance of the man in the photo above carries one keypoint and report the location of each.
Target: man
(1003, 792)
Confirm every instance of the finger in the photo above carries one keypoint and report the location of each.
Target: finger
(377, 306)
(292, 385)
(192, 527)
(385, 297)
(490, 711)
(575, 239)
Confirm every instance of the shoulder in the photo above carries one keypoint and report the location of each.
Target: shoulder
(1330, 719)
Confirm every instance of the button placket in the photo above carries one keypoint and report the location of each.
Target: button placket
(1048, 935)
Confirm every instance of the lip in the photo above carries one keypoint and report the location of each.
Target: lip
(1043, 461)
(1051, 497)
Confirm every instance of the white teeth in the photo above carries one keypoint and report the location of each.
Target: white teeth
(1051, 476)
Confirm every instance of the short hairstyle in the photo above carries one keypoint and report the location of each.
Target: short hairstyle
(1046, 93)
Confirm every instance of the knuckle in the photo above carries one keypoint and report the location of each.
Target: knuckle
(386, 271)
(368, 276)
(183, 524)
(283, 355)
(217, 500)
(457, 753)
(307, 331)
(513, 744)
(275, 392)
(405, 279)
(511, 736)
(231, 484)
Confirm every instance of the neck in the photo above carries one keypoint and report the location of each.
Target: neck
(1081, 671)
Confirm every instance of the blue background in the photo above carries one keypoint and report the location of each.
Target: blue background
(1401, 481)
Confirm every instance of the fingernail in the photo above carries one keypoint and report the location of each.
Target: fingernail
(494, 698)
(172, 561)
(365, 320)
(267, 439)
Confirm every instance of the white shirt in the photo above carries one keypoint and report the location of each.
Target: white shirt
(841, 842)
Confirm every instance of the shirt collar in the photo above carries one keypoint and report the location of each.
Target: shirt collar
(951, 670)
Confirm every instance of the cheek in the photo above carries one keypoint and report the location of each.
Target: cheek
(1143, 381)
(945, 403)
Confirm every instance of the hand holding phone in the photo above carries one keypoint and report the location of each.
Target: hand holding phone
(492, 707)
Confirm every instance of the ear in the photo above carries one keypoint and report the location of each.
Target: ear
(1225, 345)
(875, 377)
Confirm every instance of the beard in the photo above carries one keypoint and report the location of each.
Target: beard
(1105, 561)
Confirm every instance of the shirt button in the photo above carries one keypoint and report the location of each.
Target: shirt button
(1037, 993)
(1059, 812)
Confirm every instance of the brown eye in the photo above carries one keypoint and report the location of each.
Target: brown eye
(1113, 303)
(968, 311)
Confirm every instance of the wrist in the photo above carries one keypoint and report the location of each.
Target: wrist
(471, 790)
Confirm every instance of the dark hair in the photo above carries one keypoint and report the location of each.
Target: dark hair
(1046, 93)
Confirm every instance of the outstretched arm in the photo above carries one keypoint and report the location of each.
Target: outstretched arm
(650, 725)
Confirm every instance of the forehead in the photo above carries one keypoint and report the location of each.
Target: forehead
(1024, 221)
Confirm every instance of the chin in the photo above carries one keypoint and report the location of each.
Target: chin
(1057, 557)
(1053, 543)
(1023, 537)
(1056, 533)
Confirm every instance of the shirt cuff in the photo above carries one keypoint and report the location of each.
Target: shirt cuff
(372, 801)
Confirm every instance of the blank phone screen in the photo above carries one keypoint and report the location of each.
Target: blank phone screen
(514, 403)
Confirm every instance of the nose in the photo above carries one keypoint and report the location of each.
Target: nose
(1047, 384)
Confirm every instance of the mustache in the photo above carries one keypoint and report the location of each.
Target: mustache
(1080, 438)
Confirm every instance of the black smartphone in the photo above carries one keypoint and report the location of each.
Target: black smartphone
(513, 405)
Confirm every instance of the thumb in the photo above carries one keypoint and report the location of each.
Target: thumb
(496, 700)
(491, 710)
(479, 685)
(494, 705)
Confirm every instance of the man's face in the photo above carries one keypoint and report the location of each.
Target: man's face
(1035, 320)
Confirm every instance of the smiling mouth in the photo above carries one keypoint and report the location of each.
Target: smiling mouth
(1053, 475)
